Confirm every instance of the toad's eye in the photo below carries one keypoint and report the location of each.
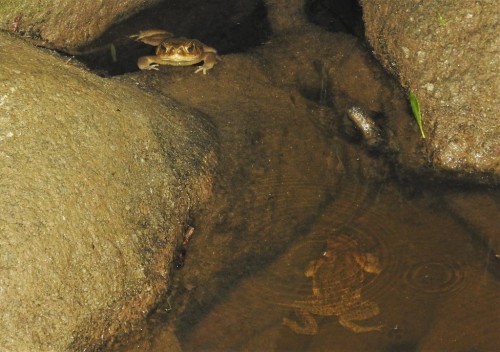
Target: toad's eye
(165, 48)
(189, 48)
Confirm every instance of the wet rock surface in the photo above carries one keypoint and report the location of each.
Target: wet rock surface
(93, 202)
(447, 53)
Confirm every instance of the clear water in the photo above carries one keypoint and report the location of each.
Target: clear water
(438, 289)
(287, 186)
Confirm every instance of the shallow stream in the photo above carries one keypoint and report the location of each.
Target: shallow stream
(268, 268)
(276, 211)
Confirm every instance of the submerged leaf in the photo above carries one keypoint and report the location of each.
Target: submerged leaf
(112, 48)
(415, 107)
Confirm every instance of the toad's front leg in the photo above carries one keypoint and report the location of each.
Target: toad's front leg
(209, 61)
(148, 62)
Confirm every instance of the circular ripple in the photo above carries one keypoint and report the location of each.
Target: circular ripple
(352, 213)
(282, 204)
(285, 281)
(434, 277)
(373, 239)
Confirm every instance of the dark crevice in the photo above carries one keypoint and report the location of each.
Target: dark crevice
(228, 26)
(336, 15)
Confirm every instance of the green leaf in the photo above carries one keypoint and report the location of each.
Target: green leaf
(415, 107)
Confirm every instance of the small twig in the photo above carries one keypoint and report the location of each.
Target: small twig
(187, 235)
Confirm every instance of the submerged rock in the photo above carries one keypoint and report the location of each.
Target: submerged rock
(371, 133)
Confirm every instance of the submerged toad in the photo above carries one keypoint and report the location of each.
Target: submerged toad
(337, 278)
(174, 51)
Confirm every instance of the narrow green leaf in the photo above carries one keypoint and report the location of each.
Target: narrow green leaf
(112, 48)
(415, 107)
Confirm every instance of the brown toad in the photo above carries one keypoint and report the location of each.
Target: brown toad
(337, 278)
(174, 51)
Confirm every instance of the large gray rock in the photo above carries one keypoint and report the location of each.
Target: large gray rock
(448, 54)
(92, 202)
(66, 24)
